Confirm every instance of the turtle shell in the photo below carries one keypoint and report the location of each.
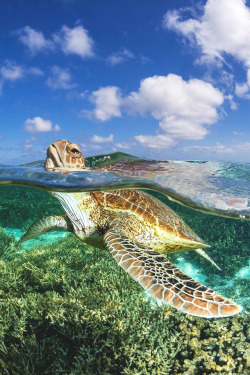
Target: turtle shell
(150, 211)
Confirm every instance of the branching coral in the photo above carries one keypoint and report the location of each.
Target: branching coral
(67, 308)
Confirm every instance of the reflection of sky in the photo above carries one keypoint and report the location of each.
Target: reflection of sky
(126, 76)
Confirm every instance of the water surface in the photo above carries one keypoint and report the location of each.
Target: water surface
(215, 187)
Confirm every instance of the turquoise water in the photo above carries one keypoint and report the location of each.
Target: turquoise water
(58, 292)
(215, 187)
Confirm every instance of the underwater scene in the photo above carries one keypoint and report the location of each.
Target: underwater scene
(67, 308)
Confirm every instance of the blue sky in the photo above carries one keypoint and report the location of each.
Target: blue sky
(165, 80)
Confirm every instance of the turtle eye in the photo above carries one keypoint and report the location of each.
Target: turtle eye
(75, 151)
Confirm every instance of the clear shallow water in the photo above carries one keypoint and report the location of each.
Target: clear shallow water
(221, 189)
(218, 188)
(215, 187)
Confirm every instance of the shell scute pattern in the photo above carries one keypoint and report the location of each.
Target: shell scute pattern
(149, 210)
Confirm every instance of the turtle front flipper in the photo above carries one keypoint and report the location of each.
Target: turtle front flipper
(45, 225)
(166, 282)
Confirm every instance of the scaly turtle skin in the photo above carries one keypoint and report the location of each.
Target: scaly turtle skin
(138, 230)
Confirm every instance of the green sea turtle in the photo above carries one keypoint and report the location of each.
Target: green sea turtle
(138, 230)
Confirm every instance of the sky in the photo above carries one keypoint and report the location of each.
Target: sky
(165, 79)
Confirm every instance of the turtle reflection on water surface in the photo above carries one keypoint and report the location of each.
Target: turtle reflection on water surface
(138, 230)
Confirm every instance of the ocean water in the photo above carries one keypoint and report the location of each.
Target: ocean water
(67, 308)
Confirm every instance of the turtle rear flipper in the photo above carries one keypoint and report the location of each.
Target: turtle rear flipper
(166, 282)
(45, 225)
(203, 255)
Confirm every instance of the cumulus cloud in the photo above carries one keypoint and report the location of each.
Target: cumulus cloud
(118, 57)
(39, 125)
(60, 79)
(75, 41)
(10, 71)
(99, 139)
(70, 41)
(182, 108)
(224, 28)
(34, 40)
(107, 101)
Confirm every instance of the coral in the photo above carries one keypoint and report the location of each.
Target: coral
(67, 308)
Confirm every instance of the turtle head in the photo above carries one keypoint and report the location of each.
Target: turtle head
(64, 154)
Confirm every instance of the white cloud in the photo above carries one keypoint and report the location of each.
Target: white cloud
(11, 71)
(28, 144)
(34, 40)
(232, 103)
(70, 41)
(124, 145)
(222, 149)
(120, 56)
(60, 79)
(182, 108)
(75, 41)
(243, 147)
(39, 125)
(99, 139)
(159, 141)
(224, 28)
(107, 101)
(243, 90)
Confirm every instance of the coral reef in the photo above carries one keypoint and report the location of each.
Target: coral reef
(67, 308)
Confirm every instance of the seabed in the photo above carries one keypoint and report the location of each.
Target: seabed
(66, 308)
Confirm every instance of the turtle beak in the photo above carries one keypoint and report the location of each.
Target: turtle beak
(55, 154)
